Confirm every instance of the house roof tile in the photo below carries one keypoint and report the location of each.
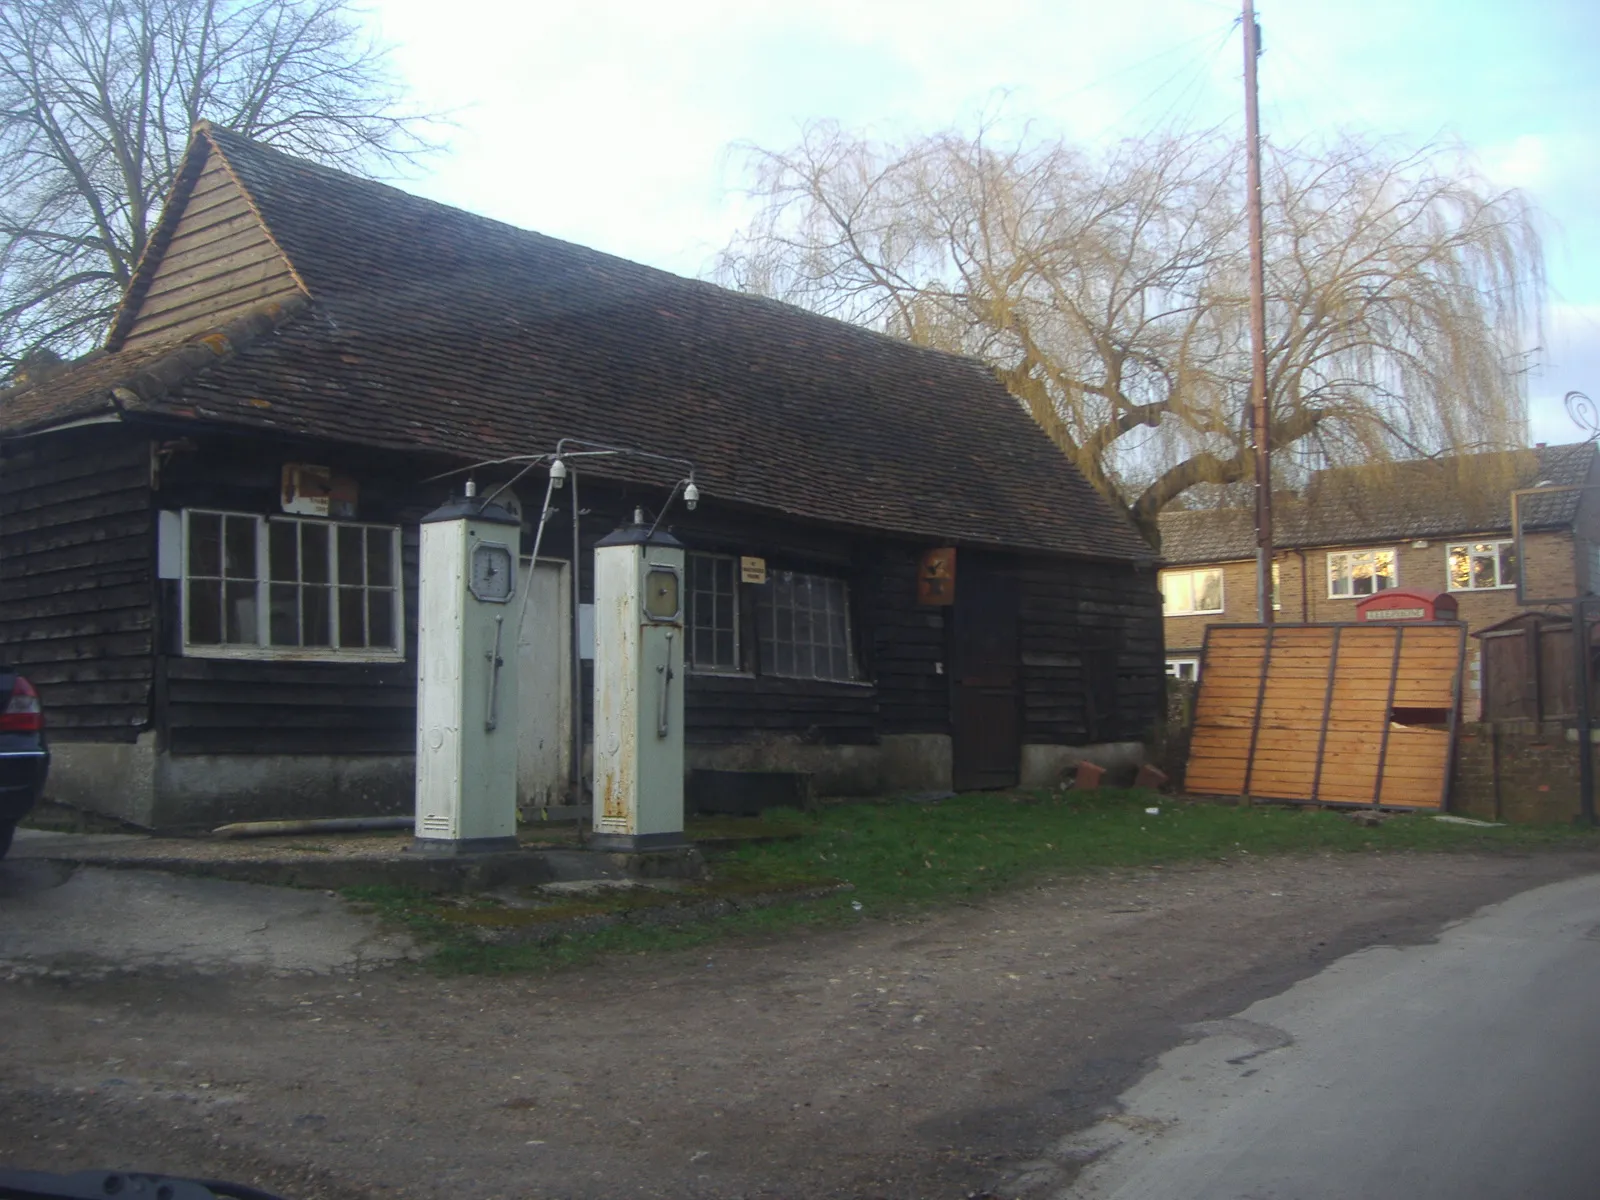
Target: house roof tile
(1427, 498)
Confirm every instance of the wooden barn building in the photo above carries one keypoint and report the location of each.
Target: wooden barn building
(208, 528)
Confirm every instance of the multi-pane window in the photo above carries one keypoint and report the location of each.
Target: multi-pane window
(713, 612)
(1186, 592)
(1478, 566)
(804, 626)
(289, 584)
(1361, 572)
(222, 593)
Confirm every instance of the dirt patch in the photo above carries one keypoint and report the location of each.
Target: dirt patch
(921, 1058)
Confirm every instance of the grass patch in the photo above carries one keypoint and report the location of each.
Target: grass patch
(900, 856)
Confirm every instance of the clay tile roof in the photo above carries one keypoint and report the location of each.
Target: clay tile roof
(1396, 502)
(151, 376)
(431, 328)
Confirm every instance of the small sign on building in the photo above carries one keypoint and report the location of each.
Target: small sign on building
(1407, 604)
(313, 491)
(752, 570)
(936, 576)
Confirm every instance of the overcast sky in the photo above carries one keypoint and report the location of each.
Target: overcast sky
(615, 123)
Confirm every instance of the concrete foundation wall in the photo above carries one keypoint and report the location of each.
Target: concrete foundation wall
(134, 783)
(903, 762)
(1043, 765)
(116, 779)
(209, 790)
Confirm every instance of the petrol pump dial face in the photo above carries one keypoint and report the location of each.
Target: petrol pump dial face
(492, 577)
(661, 594)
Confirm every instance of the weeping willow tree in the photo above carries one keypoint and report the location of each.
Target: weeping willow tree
(1109, 292)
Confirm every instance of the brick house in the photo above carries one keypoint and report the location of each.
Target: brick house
(1442, 525)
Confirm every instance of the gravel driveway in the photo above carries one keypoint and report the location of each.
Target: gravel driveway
(925, 1057)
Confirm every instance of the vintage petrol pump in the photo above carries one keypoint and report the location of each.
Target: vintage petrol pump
(467, 686)
(638, 671)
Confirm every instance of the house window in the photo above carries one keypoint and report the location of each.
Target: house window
(255, 587)
(1183, 668)
(1189, 592)
(804, 627)
(713, 613)
(1360, 572)
(1481, 566)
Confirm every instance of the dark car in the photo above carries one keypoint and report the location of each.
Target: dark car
(24, 755)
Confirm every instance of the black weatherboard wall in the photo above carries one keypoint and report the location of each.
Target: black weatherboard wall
(76, 578)
(1091, 651)
(247, 706)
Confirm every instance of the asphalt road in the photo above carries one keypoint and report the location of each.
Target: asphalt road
(1468, 1068)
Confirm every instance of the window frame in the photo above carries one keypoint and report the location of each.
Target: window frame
(1352, 555)
(740, 666)
(1190, 572)
(765, 607)
(263, 650)
(1498, 544)
(1181, 661)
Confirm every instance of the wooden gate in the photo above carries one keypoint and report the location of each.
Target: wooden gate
(985, 684)
(1337, 714)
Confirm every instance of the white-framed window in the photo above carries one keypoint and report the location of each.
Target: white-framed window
(287, 587)
(1480, 566)
(803, 622)
(1184, 593)
(713, 613)
(1361, 572)
(1183, 668)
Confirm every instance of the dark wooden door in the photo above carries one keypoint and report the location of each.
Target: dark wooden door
(986, 676)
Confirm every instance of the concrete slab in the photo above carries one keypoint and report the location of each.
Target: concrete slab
(64, 922)
(336, 861)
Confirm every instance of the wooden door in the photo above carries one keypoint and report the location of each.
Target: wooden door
(544, 685)
(985, 684)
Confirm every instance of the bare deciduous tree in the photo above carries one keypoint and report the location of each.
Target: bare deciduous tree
(1109, 291)
(97, 99)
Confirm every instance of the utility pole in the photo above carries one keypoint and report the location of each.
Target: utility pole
(1259, 416)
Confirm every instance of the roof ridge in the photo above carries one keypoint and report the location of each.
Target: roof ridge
(215, 132)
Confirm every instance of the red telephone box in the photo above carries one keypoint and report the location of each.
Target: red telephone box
(1407, 604)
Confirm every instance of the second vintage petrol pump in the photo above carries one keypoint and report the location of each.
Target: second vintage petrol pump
(638, 671)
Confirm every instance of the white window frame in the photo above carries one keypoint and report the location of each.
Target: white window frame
(1190, 573)
(1175, 668)
(1353, 558)
(738, 647)
(766, 608)
(1495, 544)
(262, 649)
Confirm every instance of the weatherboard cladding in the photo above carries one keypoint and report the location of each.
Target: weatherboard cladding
(1356, 506)
(432, 328)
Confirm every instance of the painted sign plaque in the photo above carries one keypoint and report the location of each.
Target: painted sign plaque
(936, 576)
(314, 491)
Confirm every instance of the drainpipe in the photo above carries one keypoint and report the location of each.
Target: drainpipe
(1580, 632)
(577, 648)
